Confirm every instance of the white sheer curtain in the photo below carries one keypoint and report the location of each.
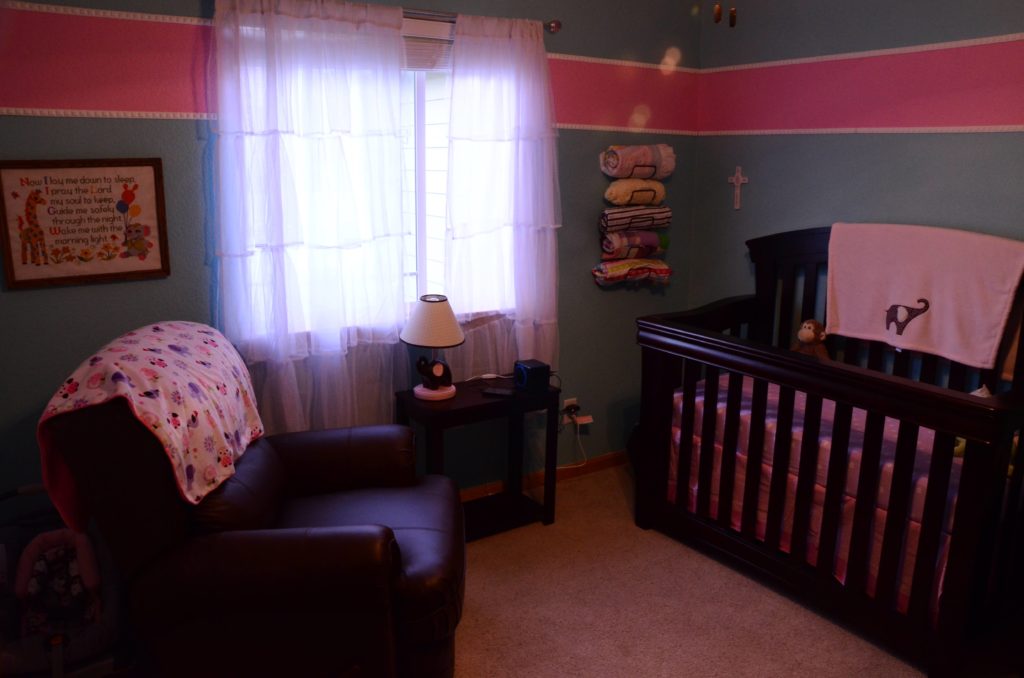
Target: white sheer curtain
(503, 196)
(309, 191)
(309, 204)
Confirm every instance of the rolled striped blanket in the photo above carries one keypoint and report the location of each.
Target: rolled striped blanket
(634, 218)
(631, 270)
(633, 244)
(655, 161)
(635, 192)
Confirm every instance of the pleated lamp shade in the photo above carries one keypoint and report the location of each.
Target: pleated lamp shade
(432, 324)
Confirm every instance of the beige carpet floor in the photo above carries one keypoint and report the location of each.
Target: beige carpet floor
(593, 595)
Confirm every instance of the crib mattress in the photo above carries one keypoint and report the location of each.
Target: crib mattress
(922, 461)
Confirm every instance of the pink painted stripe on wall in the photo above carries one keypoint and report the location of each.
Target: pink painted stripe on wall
(51, 62)
(57, 61)
(617, 95)
(972, 86)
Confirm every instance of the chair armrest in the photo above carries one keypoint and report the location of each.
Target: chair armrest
(346, 458)
(260, 572)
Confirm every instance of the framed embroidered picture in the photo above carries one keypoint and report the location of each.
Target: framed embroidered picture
(68, 222)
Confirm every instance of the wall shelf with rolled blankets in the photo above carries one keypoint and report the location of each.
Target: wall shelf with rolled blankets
(634, 231)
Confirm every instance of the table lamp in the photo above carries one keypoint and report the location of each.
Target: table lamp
(432, 325)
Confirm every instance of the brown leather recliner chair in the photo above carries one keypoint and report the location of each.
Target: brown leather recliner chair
(324, 554)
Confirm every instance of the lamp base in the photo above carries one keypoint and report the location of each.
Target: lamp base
(442, 393)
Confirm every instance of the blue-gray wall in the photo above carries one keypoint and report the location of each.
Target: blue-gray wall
(769, 30)
(47, 332)
(967, 180)
(970, 181)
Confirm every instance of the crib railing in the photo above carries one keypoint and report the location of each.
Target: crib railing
(985, 550)
(791, 273)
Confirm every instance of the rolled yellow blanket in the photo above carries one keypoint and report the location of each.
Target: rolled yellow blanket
(635, 192)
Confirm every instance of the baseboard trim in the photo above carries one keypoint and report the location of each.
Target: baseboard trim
(536, 479)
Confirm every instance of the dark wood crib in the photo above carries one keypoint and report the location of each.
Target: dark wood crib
(733, 352)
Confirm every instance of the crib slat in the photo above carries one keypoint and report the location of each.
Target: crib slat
(851, 351)
(875, 356)
(810, 291)
(867, 495)
(957, 376)
(835, 488)
(755, 451)
(788, 275)
(901, 364)
(988, 378)
(652, 446)
(996, 495)
(806, 478)
(900, 492)
(932, 520)
(929, 369)
(730, 439)
(691, 373)
(1011, 529)
(1018, 366)
(970, 548)
(780, 468)
(705, 464)
(1011, 340)
(761, 329)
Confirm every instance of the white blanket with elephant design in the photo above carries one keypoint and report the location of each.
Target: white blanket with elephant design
(942, 291)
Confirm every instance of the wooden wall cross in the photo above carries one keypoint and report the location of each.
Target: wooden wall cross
(737, 180)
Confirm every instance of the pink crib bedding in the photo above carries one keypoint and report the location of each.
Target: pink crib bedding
(920, 481)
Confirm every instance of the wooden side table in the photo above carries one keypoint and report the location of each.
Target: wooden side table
(510, 508)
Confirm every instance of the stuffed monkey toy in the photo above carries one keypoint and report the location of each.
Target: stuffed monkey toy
(810, 339)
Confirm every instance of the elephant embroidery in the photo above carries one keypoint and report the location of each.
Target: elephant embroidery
(901, 315)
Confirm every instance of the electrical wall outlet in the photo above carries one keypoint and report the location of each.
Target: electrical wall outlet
(571, 411)
(584, 419)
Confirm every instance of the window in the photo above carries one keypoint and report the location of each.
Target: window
(426, 106)
(358, 169)
(426, 102)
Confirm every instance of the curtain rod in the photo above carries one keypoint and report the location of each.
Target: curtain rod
(552, 26)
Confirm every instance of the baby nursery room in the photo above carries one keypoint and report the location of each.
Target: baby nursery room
(511, 338)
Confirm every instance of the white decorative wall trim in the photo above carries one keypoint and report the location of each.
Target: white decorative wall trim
(912, 49)
(103, 13)
(621, 62)
(980, 129)
(76, 113)
(989, 129)
(630, 130)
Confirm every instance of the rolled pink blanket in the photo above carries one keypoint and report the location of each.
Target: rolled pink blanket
(635, 192)
(655, 161)
(633, 245)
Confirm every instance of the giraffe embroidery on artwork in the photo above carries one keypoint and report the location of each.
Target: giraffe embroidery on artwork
(33, 240)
